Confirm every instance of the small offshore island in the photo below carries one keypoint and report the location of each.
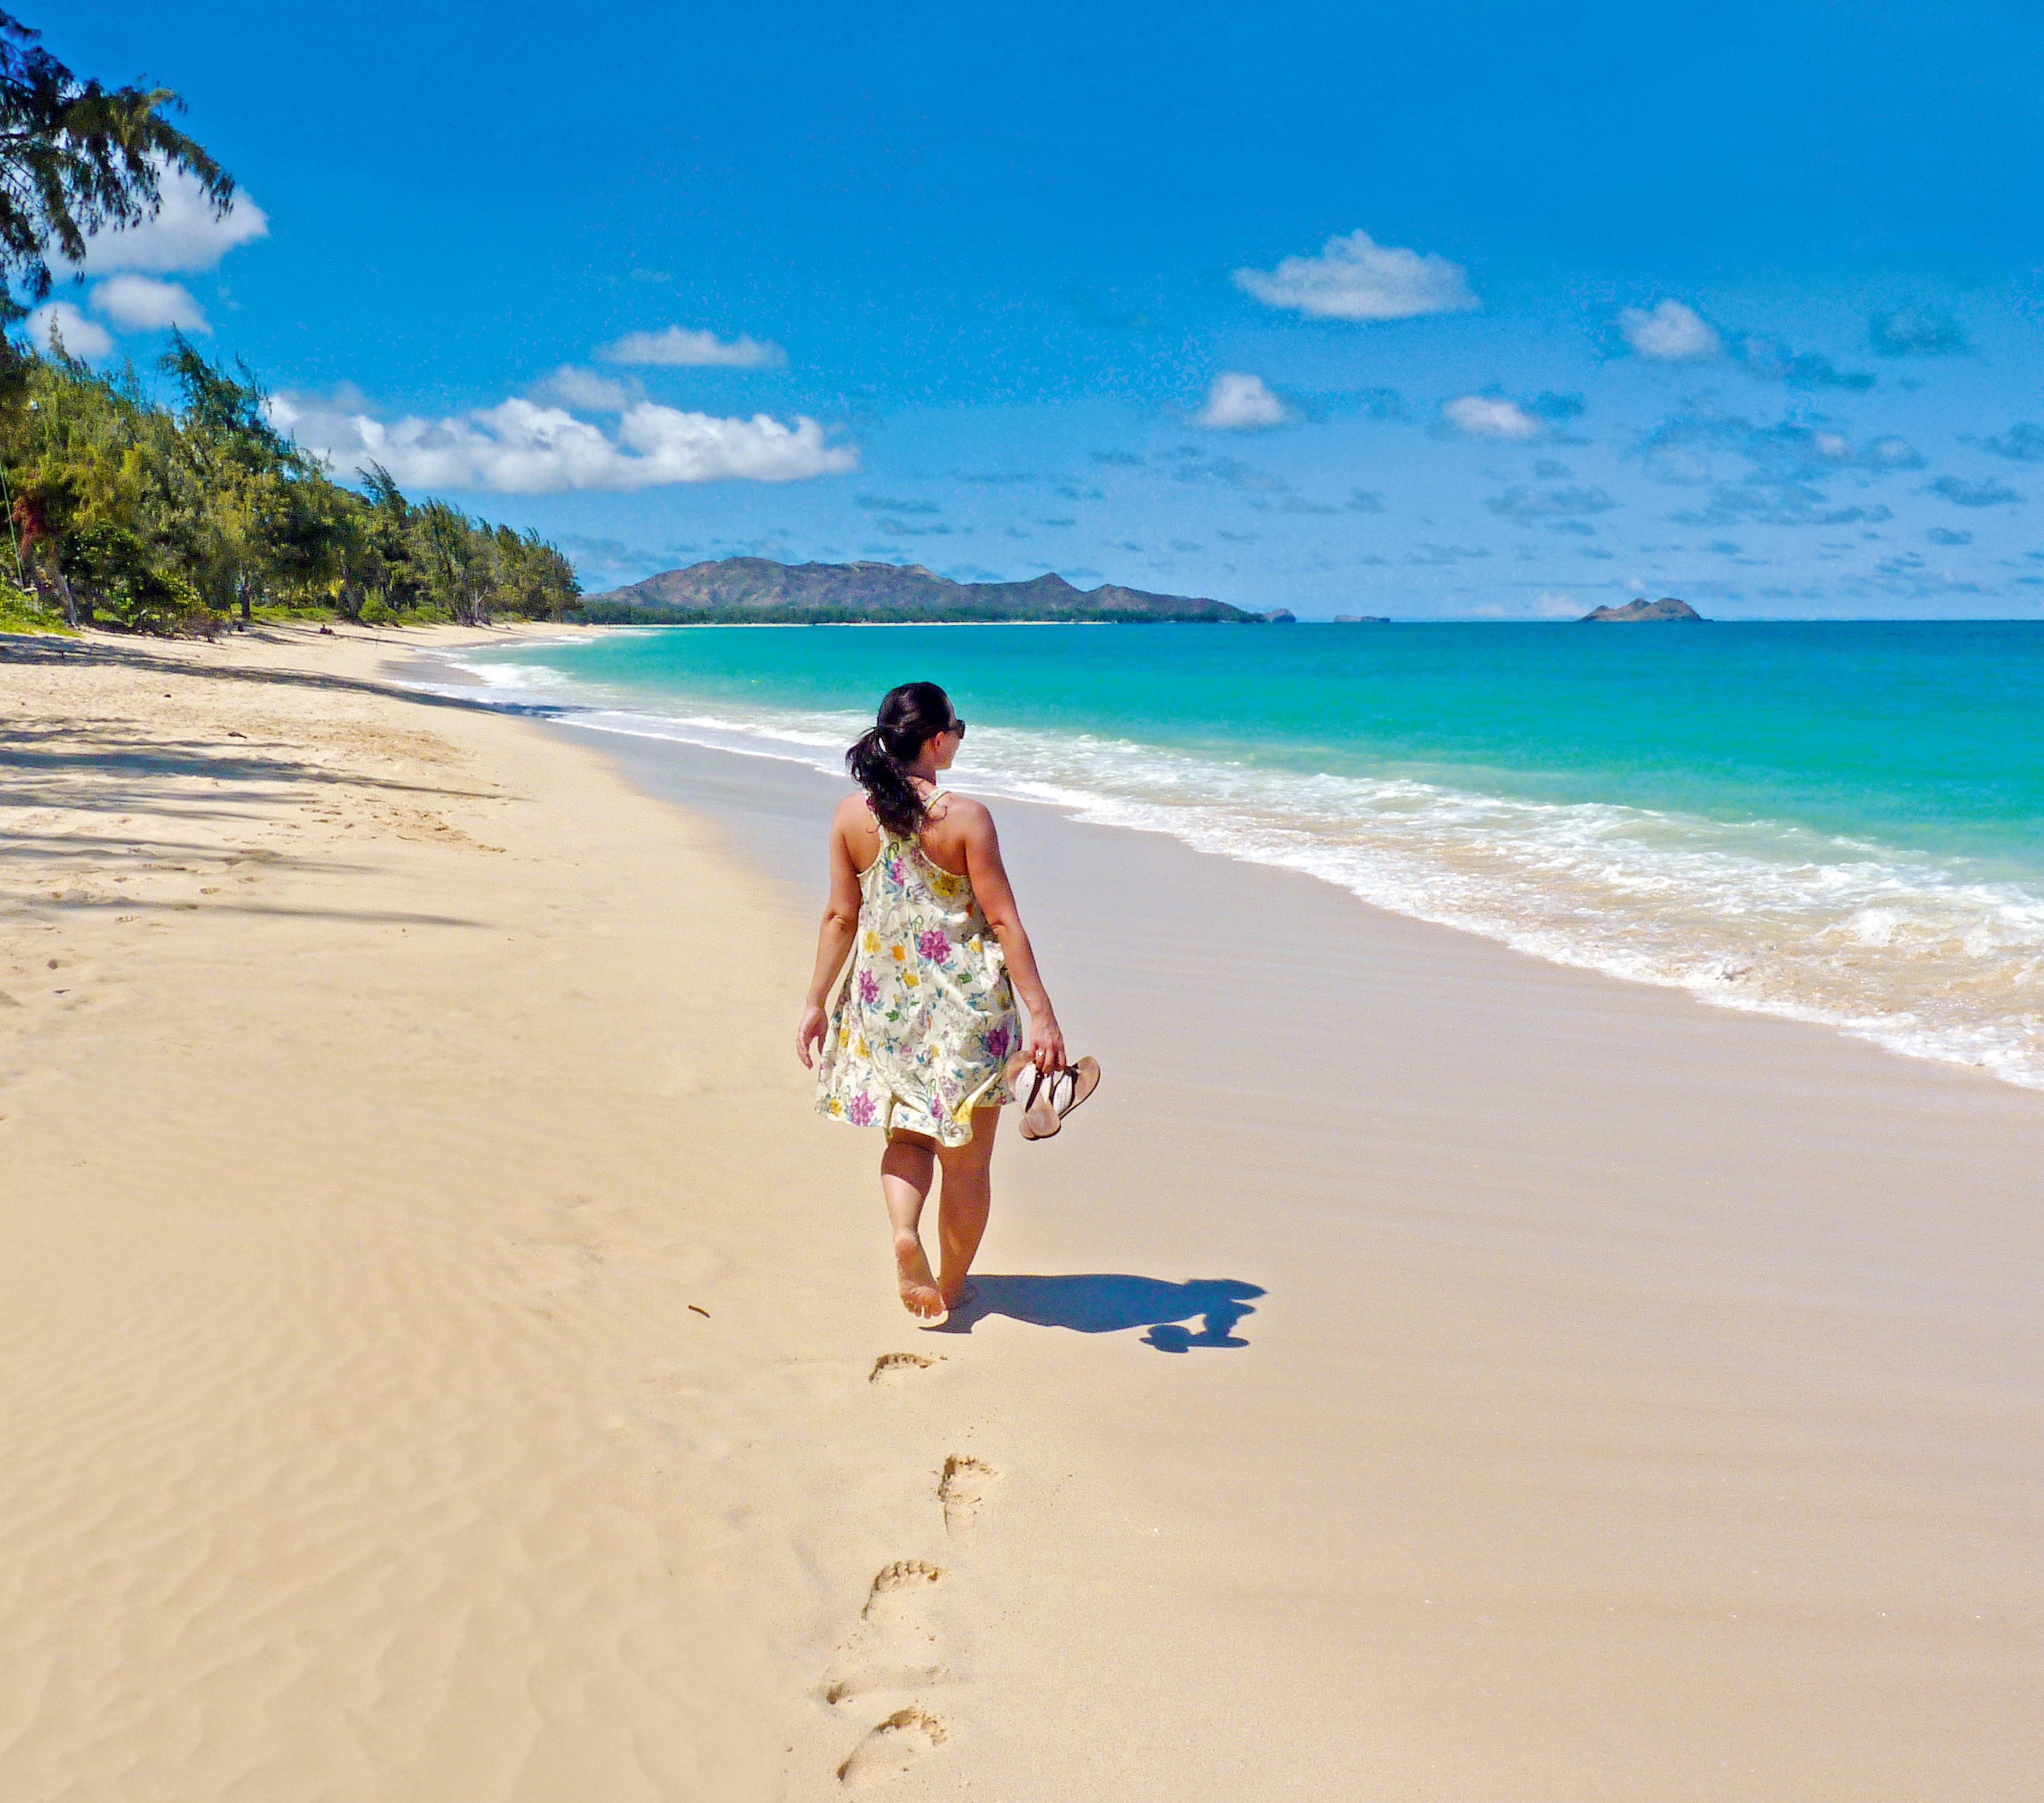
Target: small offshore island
(1666, 608)
(757, 591)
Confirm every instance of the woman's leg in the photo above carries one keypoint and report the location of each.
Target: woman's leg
(908, 1166)
(962, 1209)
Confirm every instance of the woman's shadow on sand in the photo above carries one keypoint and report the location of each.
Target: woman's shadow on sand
(1108, 1302)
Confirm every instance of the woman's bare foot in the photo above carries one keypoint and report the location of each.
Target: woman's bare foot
(920, 1294)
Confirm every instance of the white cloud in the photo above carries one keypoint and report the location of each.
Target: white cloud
(1356, 278)
(678, 348)
(82, 337)
(585, 390)
(183, 235)
(521, 447)
(1669, 333)
(139, 303)
(1236, 403)
(1484, 416)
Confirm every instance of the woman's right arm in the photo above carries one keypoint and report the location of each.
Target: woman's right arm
(995, 896)
(834, 943)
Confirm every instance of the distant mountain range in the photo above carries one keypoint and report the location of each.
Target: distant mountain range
(736, 590)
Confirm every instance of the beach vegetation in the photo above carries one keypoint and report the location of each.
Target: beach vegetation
(77, 158)
(20, 612)
(124, 509)
(189, 514)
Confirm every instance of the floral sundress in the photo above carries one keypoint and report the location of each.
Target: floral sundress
(926, 1021)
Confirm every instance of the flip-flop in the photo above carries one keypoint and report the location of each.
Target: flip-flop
(1039, 1117)
(1079, 1081)
(1042, 1111)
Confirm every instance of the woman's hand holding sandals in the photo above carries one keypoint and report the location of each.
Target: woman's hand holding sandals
(1046, 1042)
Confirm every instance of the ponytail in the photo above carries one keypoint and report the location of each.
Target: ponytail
(879, 761)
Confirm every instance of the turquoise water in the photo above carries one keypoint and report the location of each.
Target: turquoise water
(1843, 822)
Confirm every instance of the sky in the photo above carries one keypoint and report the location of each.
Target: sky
(1465, 311)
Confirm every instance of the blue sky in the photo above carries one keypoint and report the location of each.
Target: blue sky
(1464, 311)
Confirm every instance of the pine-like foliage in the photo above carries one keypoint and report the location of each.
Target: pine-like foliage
(130, 512)
(76, 158)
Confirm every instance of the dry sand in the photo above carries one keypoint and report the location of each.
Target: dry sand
(1423, 1373)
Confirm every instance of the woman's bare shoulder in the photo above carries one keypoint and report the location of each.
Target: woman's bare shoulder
(960, 817)
(853, 827)
(854, 818)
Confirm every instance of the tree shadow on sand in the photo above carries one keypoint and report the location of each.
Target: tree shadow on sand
(1109, 1302)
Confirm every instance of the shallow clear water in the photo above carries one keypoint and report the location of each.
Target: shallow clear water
(1842, 822)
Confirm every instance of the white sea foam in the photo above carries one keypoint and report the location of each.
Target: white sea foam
(1900, 947)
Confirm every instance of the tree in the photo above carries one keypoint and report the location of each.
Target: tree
(171, 518)
(267, 527)
(458, 563)
(77, 157)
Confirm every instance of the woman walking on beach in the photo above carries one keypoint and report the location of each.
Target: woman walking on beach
(924, 1033)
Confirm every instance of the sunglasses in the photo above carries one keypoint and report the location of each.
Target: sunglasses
(957, 726)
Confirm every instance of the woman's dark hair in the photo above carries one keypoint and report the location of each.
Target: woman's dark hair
(910, 716)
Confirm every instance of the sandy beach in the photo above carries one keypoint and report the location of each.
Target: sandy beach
(445, 1358)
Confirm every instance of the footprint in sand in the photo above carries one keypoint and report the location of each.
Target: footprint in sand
(892, 1367)
(961, 1489)
(892, 1580)
(892, 1747)
(891, 1647)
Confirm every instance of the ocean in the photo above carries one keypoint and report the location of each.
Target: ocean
(1837, 822)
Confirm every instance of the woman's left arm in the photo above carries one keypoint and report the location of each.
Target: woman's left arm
(834, 944)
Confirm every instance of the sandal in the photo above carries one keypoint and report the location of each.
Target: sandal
(1079, 1081)
(1051, 1095)
(1040, 1114)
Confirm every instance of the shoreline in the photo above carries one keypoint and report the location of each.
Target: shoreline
(1711, 967)
(1423, 1370)
(1703, 1242)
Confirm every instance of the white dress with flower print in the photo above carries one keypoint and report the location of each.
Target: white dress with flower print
(926, 1019)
